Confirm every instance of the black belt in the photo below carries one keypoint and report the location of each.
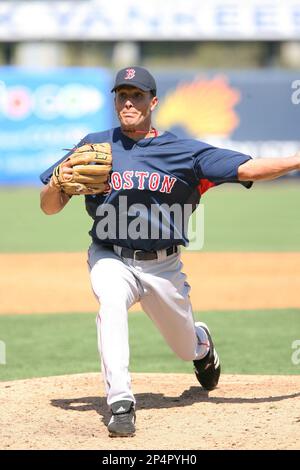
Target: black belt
(141, 255)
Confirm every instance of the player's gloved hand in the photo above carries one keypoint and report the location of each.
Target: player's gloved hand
(85, 171)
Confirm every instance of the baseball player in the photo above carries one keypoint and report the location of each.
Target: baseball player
(138, 228)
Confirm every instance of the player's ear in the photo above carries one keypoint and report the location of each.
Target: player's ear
(154, 103)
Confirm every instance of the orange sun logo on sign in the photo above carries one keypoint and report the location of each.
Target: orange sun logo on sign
(203, 107)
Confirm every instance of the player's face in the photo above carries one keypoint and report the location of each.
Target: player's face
(134, 107)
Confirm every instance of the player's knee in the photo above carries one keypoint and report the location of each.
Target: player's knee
(110, 295)
(112, 304)
(119, 302)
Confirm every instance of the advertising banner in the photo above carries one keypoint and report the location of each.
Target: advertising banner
(256, 112)
(43, 113)
(152, 20)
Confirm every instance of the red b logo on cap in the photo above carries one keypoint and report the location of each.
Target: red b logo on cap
(130, 73)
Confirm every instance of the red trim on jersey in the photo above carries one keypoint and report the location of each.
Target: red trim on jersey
(205, 185)
(153, 130)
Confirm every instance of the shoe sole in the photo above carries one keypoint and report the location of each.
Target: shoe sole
(111, 434)
(209, 389)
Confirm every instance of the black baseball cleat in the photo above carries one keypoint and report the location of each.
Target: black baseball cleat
(208, 369)
(122, 421)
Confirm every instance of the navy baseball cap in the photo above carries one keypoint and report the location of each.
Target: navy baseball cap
(137, 77)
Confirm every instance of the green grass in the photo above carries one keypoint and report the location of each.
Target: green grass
(248, 342)
(264, 218)
(25, 228)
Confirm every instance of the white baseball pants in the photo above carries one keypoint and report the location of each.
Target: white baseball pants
(163, 292)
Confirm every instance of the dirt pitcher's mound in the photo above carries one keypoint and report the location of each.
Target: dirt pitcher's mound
(70, 412)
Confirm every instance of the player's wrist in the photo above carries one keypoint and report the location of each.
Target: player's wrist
(53, 186)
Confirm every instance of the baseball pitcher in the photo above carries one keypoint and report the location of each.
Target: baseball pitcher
(141, 185)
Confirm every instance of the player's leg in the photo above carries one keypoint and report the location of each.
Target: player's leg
(167, 302)
(116, 288)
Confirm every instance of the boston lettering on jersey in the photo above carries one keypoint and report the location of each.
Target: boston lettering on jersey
(158, 172)
(146, 180)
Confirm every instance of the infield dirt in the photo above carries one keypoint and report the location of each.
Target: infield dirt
(59, 282)
(173, 412)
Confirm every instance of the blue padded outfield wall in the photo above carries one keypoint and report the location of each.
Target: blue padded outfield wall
(44, 112)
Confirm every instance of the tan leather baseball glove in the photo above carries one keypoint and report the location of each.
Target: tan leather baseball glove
(85, 171)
